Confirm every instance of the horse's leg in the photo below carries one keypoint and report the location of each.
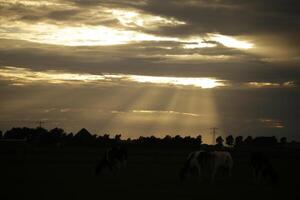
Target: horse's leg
(259, 176)
(124, 162)
(229, 172)
(110, 166)
(118, 166)
(212, 175)
(199, 173)
(254, 175)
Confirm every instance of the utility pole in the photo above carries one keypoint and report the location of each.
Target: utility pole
(214, 129)
(40, 123)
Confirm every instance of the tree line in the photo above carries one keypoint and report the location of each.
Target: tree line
(58, 137)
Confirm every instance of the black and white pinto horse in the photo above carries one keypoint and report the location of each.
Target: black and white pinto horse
(114, 159)
(206, 164)
(263, 171)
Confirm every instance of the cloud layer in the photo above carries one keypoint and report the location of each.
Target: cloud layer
(49, 48)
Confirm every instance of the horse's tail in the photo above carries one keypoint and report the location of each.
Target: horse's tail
(185, 168)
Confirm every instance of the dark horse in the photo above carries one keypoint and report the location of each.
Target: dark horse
(263, 171)
(115, 157)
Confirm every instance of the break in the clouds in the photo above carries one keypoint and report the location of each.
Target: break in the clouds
(151, 67)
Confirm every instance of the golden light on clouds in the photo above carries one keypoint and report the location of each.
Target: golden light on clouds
(197, 42)
(272, 123)
(100, 35)
(30, 3)
(204, 83)
(22, 76)
(167, 112)
(132, 18)
(287, 84)
(195, 58)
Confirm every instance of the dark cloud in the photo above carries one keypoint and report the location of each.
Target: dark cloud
(64, 14)
(231, 17)
(147, 59)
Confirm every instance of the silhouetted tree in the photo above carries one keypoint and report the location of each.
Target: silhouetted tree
(199, 139)
(178, 138)
(265, 141)
(229, 140)
(220, 141)
(283, 140)
(67, 138)
(153, 140)
(0, 134)
(57, 132)
(167, 138)
(106, 136)
(238, 140)
(118, 137)
(83, 137)
(57, 135)
(19, 133)
(248, 140)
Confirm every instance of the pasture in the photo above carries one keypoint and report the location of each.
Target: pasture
(151, 173)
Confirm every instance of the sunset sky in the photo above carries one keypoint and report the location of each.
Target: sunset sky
(152, 67)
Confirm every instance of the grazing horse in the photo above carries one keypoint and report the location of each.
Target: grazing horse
(207, 164)
(113, 158)
(263, 171)
(191, 164)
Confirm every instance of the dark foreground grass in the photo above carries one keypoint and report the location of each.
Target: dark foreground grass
(68, 173)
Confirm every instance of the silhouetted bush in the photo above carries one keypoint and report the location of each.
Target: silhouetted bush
(265, 141)
(220, 141)
(229, 140)
(199, 139)
(58, 137)
(84, 137)
(118, 137)
(248, 140)
(283, 140)
(238, 140)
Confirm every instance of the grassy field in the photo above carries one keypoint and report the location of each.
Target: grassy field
(68, 173)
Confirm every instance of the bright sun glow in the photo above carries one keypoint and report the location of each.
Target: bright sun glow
(88, 36)
(231, 42)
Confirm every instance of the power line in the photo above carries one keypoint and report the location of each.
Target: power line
(40, 123)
